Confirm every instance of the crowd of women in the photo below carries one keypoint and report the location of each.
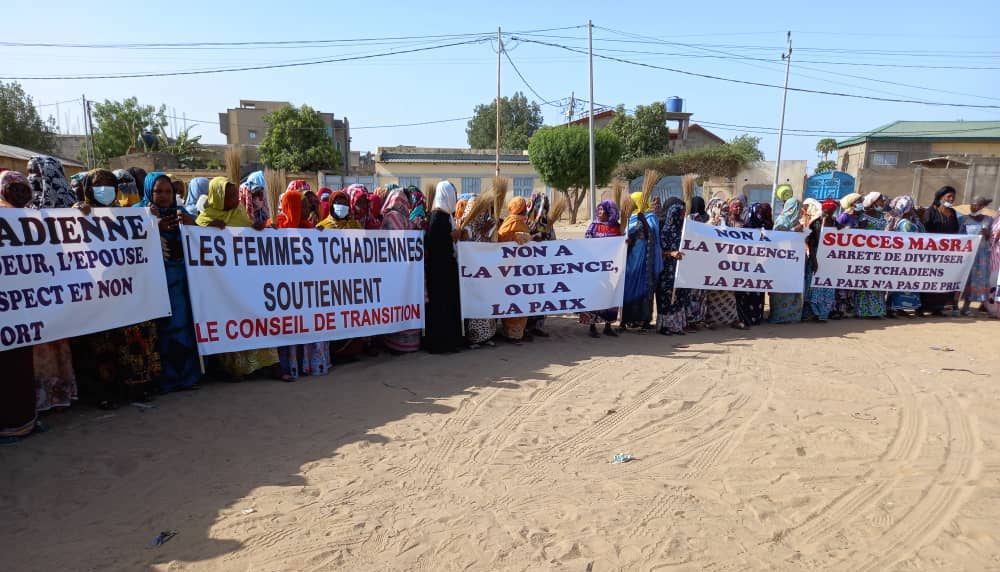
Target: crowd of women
(133, 364)
(654, 235)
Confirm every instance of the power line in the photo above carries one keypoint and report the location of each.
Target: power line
(528, 85)
(251, 68)
(352, 128)
(761, 84)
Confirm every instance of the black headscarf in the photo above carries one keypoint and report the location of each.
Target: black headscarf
(942, 192)
(697, 206)
(935, 221)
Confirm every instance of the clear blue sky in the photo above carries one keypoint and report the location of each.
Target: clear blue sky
(717, 38)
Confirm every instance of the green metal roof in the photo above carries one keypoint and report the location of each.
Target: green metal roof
(930, 131)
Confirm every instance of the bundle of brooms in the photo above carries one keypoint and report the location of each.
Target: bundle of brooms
(559, 207)
(687, 185)
(482, 204)
(274, 185)
(500, 188)
(233, 164)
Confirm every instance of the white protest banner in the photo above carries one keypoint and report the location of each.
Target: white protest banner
(65, 274)
(741, 259)
(558, 277)
(851, 259)
(264, 289)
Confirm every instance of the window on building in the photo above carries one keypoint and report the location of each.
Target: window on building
(523, 186)
(409, 182)
(884, 158)
(252, 134)
(470, 185)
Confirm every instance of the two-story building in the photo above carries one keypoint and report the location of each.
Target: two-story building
(919, 157)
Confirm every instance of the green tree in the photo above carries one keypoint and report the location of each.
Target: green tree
(826, 166)
(749, 147)
(189, 151)
(643, 134)
(561, 157)
(20, 124)
(298, 140)
(825, 147)
(519, 120)
(118, 126)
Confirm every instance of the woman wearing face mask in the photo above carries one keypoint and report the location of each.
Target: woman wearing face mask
(175, 333)
(871, 303)
(197, 194)
(223, 209)
(786, 307)
(443, 324)
(940, 218)
(123, 364)
(978, 287)
(18, 413)
(340, 213)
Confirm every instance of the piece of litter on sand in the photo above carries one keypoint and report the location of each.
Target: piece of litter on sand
(863, 416)
(248, 510)
(143, 406)
(965, 370)
(162, 538)
(620, 458)
(611, 412)
(942, 348)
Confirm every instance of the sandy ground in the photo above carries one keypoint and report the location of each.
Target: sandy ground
(850, 446)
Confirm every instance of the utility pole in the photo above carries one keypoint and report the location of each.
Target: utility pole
(590, 121)
(572, 107)
(88, 132)
(787, 56)
(499, 53)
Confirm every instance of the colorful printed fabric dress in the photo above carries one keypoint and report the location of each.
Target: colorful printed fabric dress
(786, 307)
(870, 303)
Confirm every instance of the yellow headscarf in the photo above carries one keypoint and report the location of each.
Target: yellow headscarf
(641, 205)
(784, 192)
(847, 203)
(214, 207)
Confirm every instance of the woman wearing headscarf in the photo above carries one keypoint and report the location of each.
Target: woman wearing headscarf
(223, 209)
(175, 333)
(375, 203)
(196, 197)
(49, 185)
(696, 299)
(541, 230)
(253, 198)
(940, 218)
(396, 216)
(18, 412)
(720, 305)
(340, 214)
(361, 207)
(515, 229)
(605, 225)
(819, 302)
(978, 286)
(54, 376)
(844, 300)
(443, 322)
(324, 202)
(992, 307)
(902, 218)
(121, 364)
(643, 266)
(870, 303)
(751, 304)
(671, 303)
(460, 210)
(128, 188)
(786, 307)
(418, 208)
(478, 331)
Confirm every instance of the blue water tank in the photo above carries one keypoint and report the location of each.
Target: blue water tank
(675, 104)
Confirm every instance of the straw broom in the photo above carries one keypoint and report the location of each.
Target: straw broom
(430, 189)
(687, 186)
(274, 185)
(559, 207)
(483, 203)
(618, 191)
(500, 188)
(233, 164)
(625, 209)
(649, 180)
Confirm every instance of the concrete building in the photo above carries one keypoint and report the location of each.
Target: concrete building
(919, 157)
(16, 159)
(470, 170)
(685, 136)
(245, 126)
(69, 146)
(756, 180)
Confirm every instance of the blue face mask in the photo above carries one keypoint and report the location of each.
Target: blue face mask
(340, 211)
(105, 195)
(879, 209)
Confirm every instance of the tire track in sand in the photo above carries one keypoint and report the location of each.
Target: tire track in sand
(941, 500)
